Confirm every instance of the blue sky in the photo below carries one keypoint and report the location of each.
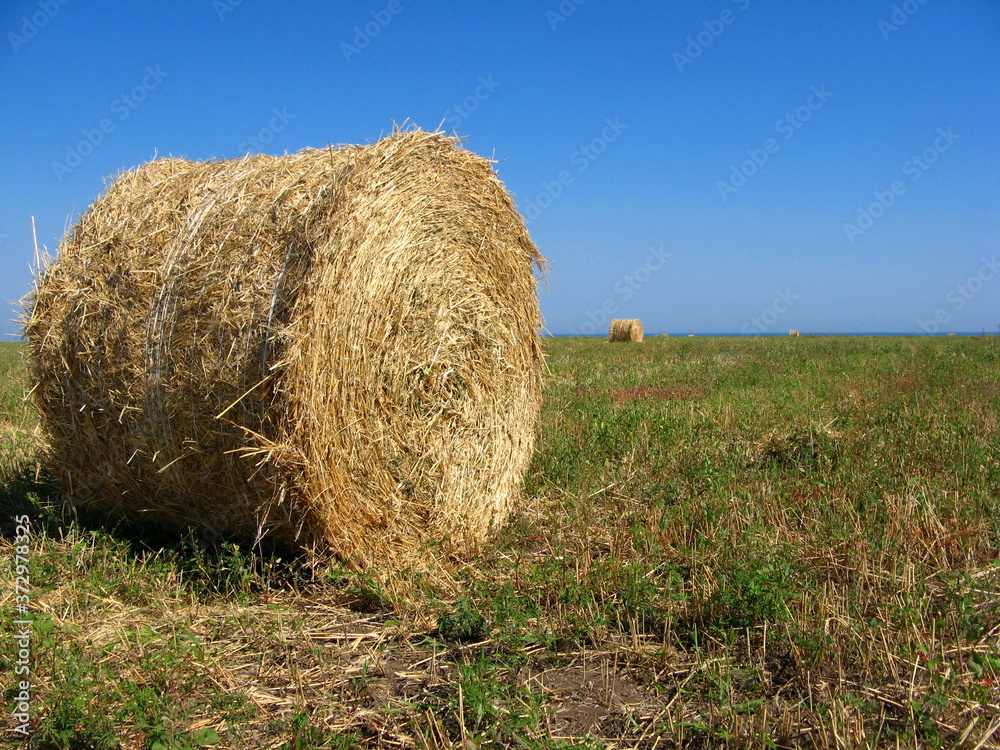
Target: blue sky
(716, 166)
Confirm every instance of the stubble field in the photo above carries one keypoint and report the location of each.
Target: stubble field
(763, 542)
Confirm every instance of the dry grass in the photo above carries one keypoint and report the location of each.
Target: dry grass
(625, 330)
(336, 348)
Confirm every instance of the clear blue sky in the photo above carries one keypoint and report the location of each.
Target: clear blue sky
(723, 166)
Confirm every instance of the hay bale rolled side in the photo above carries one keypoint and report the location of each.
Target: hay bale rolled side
(337, 348)
(625, 330)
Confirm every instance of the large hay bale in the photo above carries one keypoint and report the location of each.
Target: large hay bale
(625, 330)
(336, 348)
(793, 332)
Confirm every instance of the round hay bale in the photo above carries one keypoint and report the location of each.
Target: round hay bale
(336, 348)
(793, 332)
(625, 330)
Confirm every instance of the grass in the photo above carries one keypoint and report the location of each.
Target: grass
(774, 542)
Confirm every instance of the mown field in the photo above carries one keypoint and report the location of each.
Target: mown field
(770, 542)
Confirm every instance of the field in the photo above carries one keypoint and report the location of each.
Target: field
(772, 542)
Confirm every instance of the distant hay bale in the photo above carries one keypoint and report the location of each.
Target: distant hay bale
(336, 348)
(793, 333)
(625, 330)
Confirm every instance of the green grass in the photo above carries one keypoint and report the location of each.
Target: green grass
(725, 543)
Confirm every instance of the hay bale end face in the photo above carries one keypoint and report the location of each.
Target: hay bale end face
(625, 330)
(336, 348)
